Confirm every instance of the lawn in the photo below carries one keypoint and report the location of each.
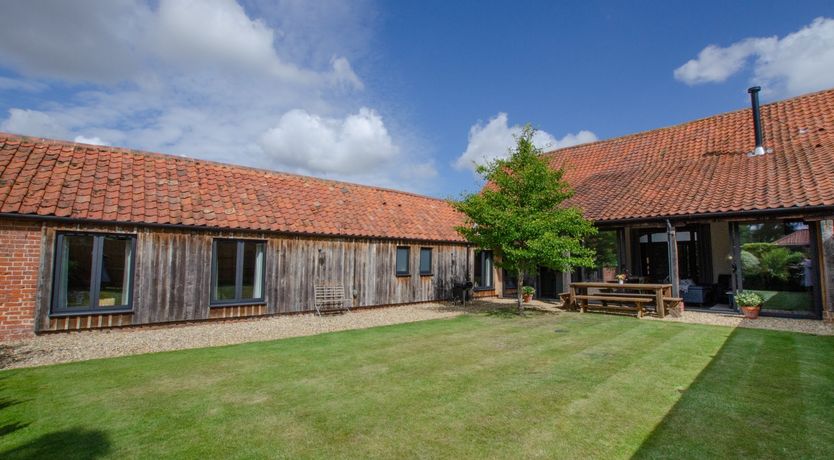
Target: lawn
(569, 386)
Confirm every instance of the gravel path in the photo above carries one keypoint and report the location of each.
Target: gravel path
(79, 346)
(808, 326)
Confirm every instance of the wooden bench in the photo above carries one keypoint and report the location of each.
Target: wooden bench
(330, 299)
(639, 303)
(638, 296)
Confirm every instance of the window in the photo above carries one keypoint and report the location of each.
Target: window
(93, 272)
(425, 261)
(483, 270)
(237, 272)
(402, 260)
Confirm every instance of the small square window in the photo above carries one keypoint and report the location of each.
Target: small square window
(425, 261)
(402, 260)
(237, 272)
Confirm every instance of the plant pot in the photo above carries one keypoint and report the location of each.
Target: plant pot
(527, 297)
(751, 312)
(621, 281)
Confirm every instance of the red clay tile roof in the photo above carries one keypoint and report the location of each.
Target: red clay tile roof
(800, 237)
(702, 167)
(53, 178)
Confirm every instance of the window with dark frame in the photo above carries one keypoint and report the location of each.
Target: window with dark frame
(483, 270)
(93, 272)
(402, 260)
(425, 261)
(237, 271)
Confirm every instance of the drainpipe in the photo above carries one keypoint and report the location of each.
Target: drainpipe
(672, 246)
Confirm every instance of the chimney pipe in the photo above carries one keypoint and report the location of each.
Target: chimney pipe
(757, 121)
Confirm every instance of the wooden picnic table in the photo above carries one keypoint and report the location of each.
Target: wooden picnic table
(638, 294)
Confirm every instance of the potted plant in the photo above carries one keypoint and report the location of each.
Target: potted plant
(527, 293)
(750, 303)
(621, 277)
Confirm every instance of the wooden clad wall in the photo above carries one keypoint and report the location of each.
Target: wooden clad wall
(826, 263)
(173, 274)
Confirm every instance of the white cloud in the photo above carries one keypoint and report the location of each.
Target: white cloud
(90, 140)
(218, 33)
(800, 62)
(343, 73)
(33, 122)
(494, 139)
(716, 64)
(84, 40)
(116, 41)
(354, 144)
(211, 80)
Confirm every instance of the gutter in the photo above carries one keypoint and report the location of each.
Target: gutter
(70, 220)
(803, 211)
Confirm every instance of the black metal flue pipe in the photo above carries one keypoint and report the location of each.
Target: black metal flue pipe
(757, 119)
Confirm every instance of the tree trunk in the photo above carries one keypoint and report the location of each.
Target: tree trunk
(520, 286)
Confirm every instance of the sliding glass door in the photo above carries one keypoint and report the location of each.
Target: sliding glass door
(777, 262)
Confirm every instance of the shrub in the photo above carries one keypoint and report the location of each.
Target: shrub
(748, 299)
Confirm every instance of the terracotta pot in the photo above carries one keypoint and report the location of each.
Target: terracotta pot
(751, 312)
(526, 297)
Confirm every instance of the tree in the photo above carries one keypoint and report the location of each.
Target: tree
(520, 215)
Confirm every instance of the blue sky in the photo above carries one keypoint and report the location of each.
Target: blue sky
(399, 94)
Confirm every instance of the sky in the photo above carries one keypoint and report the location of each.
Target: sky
(404, 95)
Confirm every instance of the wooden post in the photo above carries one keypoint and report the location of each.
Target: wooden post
(672, 247)
(736, 280)
(572, 296)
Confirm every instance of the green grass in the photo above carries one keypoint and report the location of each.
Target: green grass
(567, 386)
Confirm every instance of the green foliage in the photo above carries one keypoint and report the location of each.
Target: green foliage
(520, 214)
(773, 262)
(748, 299)
(528, 290)
(776, 264)
(757, 249)
(605, 245)
(749, 262)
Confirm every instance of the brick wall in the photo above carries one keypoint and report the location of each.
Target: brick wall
(20, 255)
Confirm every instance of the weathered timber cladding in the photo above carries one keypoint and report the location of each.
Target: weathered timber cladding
(173, 274)
(826, 264)
(366, 269)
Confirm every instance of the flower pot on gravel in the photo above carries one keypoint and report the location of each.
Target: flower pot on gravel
(750, 303)
(527, 293)
(751, 312)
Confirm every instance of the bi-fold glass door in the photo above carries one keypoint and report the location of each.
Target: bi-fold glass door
(776, 260)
